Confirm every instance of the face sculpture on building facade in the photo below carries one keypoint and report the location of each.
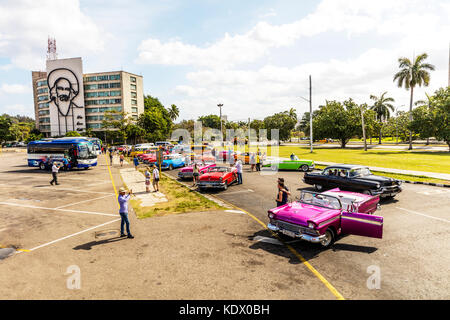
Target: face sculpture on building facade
(64, 88)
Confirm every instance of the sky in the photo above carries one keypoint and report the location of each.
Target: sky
(252, 56)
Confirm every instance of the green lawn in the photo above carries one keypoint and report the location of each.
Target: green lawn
(406, 160)
(180, 200)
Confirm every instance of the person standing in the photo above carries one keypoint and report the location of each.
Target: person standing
(239, 171)
(195, 174)
(65, 163)
(111, 156)
(258, 162)
(136, 162)
(121, 159)
(55, 169)
(147, 179)
(252, 161)
(123, 211)
(155, 174)
(283, 193)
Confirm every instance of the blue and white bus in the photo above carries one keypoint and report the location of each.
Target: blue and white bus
(97, 143)
(79, 152)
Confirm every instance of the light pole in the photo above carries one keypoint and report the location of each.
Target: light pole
(220, 105)
(310, 115)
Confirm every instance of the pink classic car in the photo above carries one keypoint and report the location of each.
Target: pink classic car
(187, 172)
(321, 217)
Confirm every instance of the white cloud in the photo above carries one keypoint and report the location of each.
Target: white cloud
(14, 89)
(404, 27)
(18, 109)
(26, 24)
(355, 17)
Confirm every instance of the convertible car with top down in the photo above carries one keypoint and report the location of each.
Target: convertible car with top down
(322, 217)
(217, 177)
(353, 178)
(188, 172)
(293, 163)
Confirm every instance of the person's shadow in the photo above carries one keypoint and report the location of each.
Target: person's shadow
(89, 245)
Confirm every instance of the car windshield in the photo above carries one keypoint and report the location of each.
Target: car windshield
(321, 200)
(219, 169)
(360, 172)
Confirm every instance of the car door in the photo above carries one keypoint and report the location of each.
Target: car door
(362, 224)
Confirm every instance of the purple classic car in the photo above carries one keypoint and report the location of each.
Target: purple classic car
(321, 217)
(187, 172)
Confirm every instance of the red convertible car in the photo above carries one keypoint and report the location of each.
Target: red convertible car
(217, 177)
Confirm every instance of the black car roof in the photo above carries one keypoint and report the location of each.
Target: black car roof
(346, 166)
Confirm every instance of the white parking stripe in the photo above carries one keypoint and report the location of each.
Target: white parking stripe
(240, 191)
(235, 211)
(72, 235)
(9, 185)
(267, 240)
(424, 215)
(71, 204)
(55, 209)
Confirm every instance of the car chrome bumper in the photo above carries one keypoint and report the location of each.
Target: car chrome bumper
(306, 237)
(211, 185)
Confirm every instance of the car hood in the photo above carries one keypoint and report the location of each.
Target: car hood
(301, 213)
(384, 181)
(211, 176)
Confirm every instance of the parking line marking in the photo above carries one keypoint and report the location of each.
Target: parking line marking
(72, 235)
(235, 211)
(72, 204)
(424, 215)
(53, 188)
(240, 191)
(298, 255)
(112, 180)
(268, 240)
(55, 209)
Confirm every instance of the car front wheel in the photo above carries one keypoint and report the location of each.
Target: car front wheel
(304, 168)
(42, 166)
(318, 187)
(171, 167)
(225, 186)
(329, 238)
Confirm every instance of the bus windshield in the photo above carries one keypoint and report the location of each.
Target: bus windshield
(86, 151)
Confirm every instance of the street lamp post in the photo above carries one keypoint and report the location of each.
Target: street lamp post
(220, 105)
(310, 115)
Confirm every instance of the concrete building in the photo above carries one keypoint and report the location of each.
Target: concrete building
(86, 99)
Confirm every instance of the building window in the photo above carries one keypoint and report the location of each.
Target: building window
(44, 127)
(90, 87)
(94, 125)
(135, 117)
(90, 94)
(95, 118)
(42, 83)
(42, 98)
(114, 93)
(44, 112)
(133, 102)
(114, 85)
(102, 78)
(133, 87)
(133, 94)
(89, 79)
(103, 94)
(133, 79)
(42, 90)
(44, 120)
(134, 109)
(114, 77)
(43, 105)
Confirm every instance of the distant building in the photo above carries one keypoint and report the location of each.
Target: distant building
(65, 99)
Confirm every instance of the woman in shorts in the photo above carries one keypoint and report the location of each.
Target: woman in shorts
(195, 173)
(147, 179)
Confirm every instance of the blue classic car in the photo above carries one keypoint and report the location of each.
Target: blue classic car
(171, 161)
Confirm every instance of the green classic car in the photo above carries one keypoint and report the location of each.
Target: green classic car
(294, 163)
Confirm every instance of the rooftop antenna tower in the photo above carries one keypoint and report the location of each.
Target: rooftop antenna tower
(51, 49)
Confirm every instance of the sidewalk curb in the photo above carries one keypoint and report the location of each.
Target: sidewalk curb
(207, 196)
(415, 182)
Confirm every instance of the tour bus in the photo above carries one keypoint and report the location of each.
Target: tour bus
(97, 143)
(79, 152)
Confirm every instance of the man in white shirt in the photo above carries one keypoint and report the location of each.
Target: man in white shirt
(155, 175)
(55, 169)
(239, 171)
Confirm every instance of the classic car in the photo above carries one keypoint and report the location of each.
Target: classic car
(147, 157)
(170, 161)
(293, 163)
(217, 177)
(322, 217)
(353, 178)
(224, 155)
(245, 157)
(141, 149)
(187, 172)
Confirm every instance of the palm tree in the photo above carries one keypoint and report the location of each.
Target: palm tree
(410, 75)
(425, 103)
(174, 112)
(292, 113)
(382, 106)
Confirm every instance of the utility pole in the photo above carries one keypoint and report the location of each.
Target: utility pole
(363, 128)
(248, 140)
(220, 105)
(310, 115)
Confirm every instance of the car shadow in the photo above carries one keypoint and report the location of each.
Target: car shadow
(89, 245)
(306, 249)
